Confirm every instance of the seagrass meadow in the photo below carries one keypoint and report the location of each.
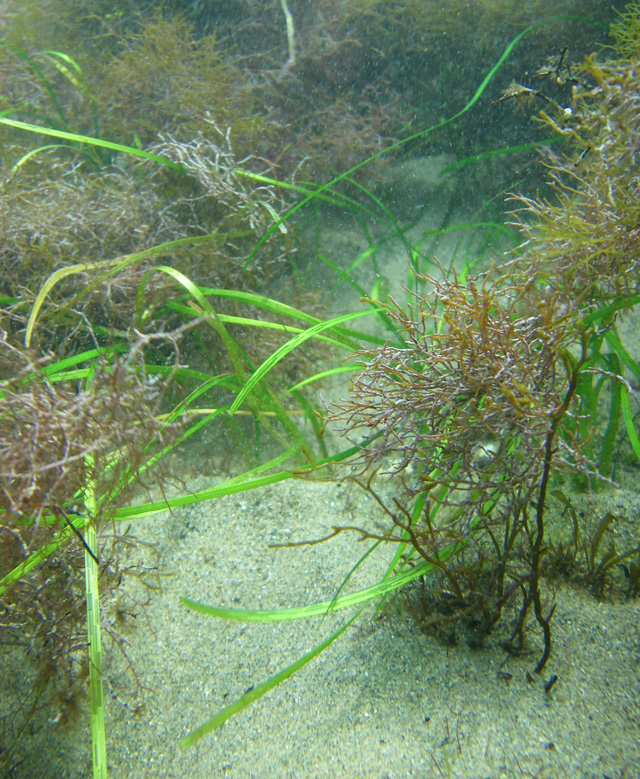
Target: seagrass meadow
(319, 389)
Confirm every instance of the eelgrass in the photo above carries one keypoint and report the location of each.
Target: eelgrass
(96, 691)
(250, 386)
(284, 466)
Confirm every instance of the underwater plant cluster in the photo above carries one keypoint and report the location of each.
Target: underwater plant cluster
(493, 398)
(166, 178)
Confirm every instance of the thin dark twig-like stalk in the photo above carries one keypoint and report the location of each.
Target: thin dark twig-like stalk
(573, 369)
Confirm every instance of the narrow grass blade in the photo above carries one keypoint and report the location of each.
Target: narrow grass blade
(605, 313)
(315, 609)
(323, 375)
(67, 136)
(9, 579)
(26, 157)
(285, 349)
(40, 75)
(615, 343)
(615, 409)
(628, 420)
(230, 319)
(96, 692)
(262, 689)
(112, 266)
(502, 151)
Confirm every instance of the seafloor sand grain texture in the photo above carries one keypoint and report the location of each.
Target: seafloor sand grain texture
(384, 700)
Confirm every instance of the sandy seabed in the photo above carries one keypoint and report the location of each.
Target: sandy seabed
(384, 701)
